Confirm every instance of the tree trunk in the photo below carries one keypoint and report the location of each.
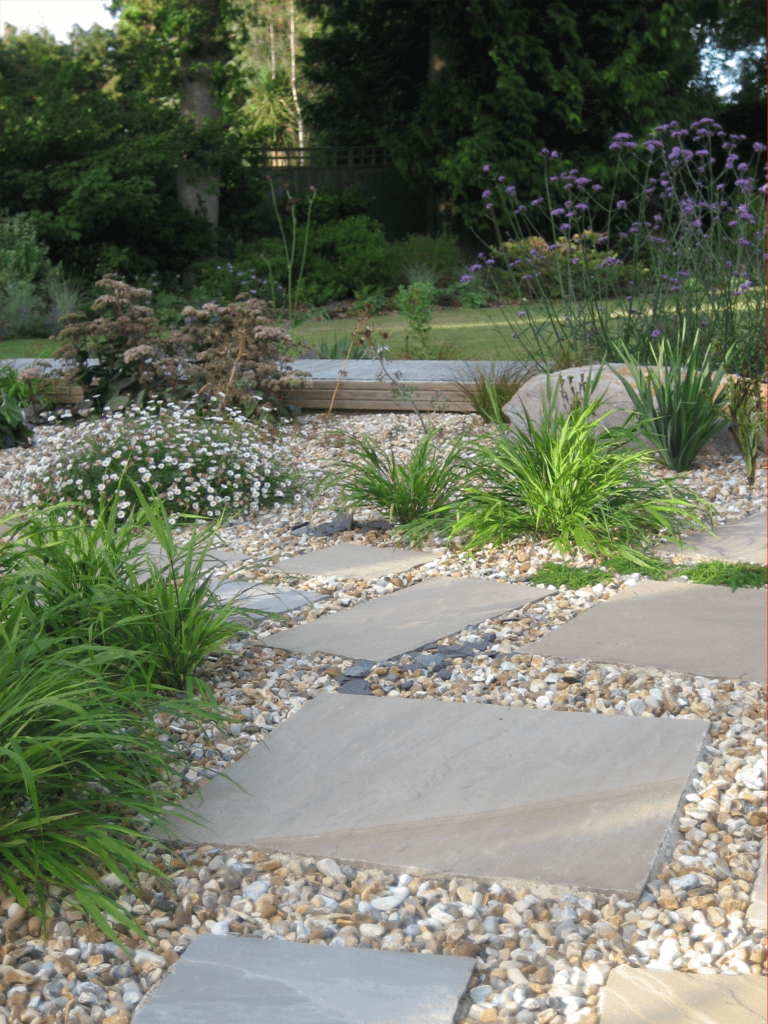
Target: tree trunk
(438, 212)
(292, 37)
(197, 187)
(272, 47)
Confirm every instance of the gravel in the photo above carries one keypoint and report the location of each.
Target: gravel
(538, 959)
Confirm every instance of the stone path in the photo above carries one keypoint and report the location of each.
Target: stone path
(709, 631)
(442, 788)
(258, 981)
(671, 997)
(744, 541)
(562, 802)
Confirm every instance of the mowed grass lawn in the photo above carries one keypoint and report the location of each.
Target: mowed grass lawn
(456, 334)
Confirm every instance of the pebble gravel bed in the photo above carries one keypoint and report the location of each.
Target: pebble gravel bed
(540, 959)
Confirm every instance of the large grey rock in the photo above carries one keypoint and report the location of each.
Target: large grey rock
(396, 623)
(615, 400)
(359, 560)
(710, 631)
(576, 801)
(638, 996)
(266, 981)
(743, 541)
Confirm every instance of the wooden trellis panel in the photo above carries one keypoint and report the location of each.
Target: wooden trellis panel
(376, 396)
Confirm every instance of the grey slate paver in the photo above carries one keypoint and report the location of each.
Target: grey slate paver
(384, 627)
(640, 996)
(266, 981)
(263, 598)
(360, 560)
(710, 631)
(743, 541)
(582, 801)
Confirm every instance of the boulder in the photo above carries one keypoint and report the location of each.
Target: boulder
(615, 401)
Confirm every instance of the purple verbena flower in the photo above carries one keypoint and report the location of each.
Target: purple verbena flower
(621, 204)
(510, 189)
(486, 194)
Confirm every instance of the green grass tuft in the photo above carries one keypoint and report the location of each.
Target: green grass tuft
(730, 574)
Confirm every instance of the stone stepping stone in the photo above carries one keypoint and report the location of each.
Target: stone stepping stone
(263, 598)
(354, 560)
(743, 541)
(756, 915)
(385, 627)
(640, 996)
(709, 631)
(266, 981)
(216, 558)
(424, 787)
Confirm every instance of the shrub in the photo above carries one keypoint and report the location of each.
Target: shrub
(218, 280)
(135, 358)
(229, 355)
(405, 491)
(748, 419)
(198, 466)
(346, 255)
(416, 303)
(562, 480)
(677, 400)
(241, 355)
(440, 256)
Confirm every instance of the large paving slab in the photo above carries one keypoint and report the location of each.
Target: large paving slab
(710, 631)
(263, 598)
(743, 541)
(638, 996)
(358, 560)
(581, 801)
(215, 558)
(409, 618)
(266, 981)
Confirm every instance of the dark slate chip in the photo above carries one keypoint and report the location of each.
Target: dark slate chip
(406, 684)
(360, 668)
(373, 524)
(352, 685)
(300, 527)
(444, 674)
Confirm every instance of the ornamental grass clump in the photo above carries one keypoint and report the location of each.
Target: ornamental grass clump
(679, 400)
(205, 466)
(562, 480)
(89, 655)
(404, 491)
(602, 271)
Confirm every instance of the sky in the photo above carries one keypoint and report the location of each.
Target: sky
(58, 16)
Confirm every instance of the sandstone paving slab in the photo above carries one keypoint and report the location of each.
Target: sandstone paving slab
(387, 626)
(710, 631)
(640, 996)
(266, 981)
(580, 801)
(263, 598)
(756, 915)
(743, 541)
(215, 558)
(359, 560)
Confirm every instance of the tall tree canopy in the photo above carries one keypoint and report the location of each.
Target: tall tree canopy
(447, 87)
(94, 135)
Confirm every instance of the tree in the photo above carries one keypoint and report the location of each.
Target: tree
(513, 77)
(92, 142)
